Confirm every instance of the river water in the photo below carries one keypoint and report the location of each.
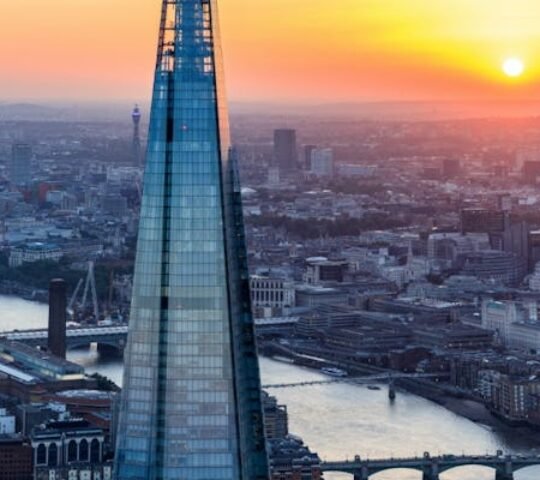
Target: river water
(339, 421)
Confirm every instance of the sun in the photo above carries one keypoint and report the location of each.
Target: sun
(513, 67)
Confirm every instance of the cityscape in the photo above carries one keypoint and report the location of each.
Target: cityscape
(199, 287)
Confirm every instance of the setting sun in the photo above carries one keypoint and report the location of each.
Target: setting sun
(513, 67)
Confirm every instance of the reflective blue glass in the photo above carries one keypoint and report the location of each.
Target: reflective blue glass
(191, 405)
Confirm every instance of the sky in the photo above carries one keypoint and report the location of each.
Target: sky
(279, 50)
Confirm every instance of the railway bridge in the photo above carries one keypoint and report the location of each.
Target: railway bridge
(106, 337)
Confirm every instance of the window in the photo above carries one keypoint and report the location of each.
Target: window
(72, 451)
(53, 455)
(41, 455)
(83, 450)
(95, 451)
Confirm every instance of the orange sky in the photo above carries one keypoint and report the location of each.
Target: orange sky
(301, 50)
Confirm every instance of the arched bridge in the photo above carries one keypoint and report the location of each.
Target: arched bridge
(431, 467)
(105, 336)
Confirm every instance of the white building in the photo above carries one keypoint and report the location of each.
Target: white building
(34, 252)
(7, 422)
(274, 178)
(534, 280)
(516, 324)
(271, 292)
(322, 162)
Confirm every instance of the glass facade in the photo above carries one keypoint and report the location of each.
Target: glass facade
(191, 404)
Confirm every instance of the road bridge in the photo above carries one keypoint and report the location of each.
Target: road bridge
(431, 467)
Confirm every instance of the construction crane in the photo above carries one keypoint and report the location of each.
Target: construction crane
(74, 297)
(89, 288)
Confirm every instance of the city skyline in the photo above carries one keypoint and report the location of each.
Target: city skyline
(316, 52)
(340, 280)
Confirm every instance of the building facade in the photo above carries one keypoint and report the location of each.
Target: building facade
(20, 169)
(67, 444)
(34, 252)
(322, 162)
(271, 292)
(285, 153)
(15, 458)
(191, 404)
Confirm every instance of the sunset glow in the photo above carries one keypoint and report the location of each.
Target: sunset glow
(513, 67)
(318, 50)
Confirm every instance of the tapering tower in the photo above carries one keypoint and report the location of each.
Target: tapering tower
(136, 143)
(191, 403)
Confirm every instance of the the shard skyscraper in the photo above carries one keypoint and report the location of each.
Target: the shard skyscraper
(191, 403)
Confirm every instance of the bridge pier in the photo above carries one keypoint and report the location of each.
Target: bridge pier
(431, 470)
(391, 390)
(109, 350)
(505, 471)
(362, 474)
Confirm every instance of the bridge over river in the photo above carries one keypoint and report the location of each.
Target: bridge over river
(431, 467)
(112, 337)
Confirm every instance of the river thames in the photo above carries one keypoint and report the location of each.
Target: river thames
(339, 421)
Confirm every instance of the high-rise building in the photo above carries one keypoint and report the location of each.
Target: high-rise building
(136, 145)
(531, 171)
(191, 403)
(20, 169)
(322, 162)
(285, 153)
(307, 156)
(483, 220)
(534, 248)
(57, 318)
(451, 167)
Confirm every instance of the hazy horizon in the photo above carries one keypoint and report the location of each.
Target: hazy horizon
(281, 51)
(421, 110)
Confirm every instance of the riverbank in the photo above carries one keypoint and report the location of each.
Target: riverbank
(478, 413)
(521, 437)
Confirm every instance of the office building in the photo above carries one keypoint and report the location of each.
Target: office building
(505, 267)
(534, 248)
(482, 220)
(20, 169)
(7, 422)
(451, 168)
(308, 149)
(322, 162)
(15, 458)
(285, 153)
(320, 270)
(531, 171)
(269, 291)
(515, 324)
(191, 404)
(34, 252)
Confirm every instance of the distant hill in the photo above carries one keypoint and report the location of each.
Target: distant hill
(390, 111)
(29, 112)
